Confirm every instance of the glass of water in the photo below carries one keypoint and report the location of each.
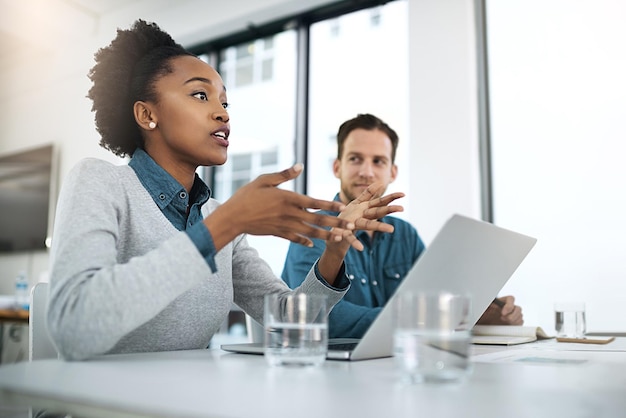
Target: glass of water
(296, 330)
(432, 337)
(569, 319)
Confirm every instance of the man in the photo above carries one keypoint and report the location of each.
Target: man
(366, 150)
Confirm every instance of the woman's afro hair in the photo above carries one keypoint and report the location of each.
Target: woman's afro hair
(125, 72)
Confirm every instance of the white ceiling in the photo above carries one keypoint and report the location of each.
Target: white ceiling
(30, 27)
(99, 7)
(31, 30)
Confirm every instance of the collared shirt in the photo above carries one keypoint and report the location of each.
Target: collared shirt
(375, 273)
(182, 209)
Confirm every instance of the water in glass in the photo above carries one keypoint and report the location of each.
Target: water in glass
(432, 356)
(298, 345)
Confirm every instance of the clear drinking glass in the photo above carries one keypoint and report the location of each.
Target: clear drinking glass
(296, 330)
(569, 319)
(432, 337)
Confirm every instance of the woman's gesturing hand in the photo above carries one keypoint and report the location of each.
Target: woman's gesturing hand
(262, 208)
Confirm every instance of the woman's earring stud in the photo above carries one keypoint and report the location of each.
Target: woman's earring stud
(152, 125)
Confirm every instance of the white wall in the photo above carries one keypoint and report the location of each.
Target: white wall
(443, 113)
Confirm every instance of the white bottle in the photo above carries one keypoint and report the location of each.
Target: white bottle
(22, 296)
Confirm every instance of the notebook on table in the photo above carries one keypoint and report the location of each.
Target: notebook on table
(467, 256)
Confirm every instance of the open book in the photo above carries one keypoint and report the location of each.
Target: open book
(507, 334)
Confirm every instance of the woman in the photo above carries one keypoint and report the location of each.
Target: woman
(142, 258)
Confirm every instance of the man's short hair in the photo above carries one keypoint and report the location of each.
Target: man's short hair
(369, 123)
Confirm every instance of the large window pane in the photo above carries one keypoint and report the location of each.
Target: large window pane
(260, 78)
(558, 105)
(353, 69)
(358, 64)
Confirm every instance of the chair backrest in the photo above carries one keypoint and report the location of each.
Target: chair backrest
(40, 346)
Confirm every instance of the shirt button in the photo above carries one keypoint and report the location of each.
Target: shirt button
(397, 276)
(182, 195)
(375, 283)
(162, 196)
(351, 276)
(363, 281)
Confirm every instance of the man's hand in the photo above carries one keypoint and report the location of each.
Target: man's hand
(502, 311)
(363, 212)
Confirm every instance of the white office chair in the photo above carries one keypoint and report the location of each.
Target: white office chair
(40, 346)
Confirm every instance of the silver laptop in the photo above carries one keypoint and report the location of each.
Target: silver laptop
(466, 257)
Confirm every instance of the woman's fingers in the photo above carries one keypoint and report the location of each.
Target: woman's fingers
(262, 208)
(380, 212)
(372, 225)
(331, 206)
(276, 179)
(320, 220)
(301, 232)
(266, 209)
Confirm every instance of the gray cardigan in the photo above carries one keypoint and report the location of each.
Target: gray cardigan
(123, 279)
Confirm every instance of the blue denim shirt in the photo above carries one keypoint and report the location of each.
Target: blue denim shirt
(375, 273)
(173, 200)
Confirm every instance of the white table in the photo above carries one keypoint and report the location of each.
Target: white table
(212, 383)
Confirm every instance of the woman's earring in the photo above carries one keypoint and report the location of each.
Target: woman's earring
(152, 125)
